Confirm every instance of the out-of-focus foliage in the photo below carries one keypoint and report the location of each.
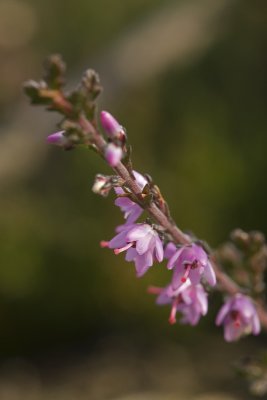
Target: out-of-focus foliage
(197, 123)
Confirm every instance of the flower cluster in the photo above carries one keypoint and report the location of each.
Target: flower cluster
(185, 293)
(145, 243)
(190, 300)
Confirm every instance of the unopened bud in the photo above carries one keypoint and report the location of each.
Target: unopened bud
(102, 185)
(257, 238)
(113, 129)
(59, 139)
(240, 237)
(113, 154)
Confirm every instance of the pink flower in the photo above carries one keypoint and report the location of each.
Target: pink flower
(141, 243)
(239, 317)
(190, 300)
(113, 154)
(131, 210)
(112, 127)
(191, 262)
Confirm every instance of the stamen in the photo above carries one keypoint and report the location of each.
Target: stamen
(154, 290)
(118, 251)
(186, 273)
(103, 243)
(172, 318)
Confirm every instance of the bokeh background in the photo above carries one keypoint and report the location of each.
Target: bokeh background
(188, 80)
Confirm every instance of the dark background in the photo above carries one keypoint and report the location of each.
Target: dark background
(188, 80)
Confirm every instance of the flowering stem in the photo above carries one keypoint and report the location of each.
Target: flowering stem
(226, 283)
(78, 108)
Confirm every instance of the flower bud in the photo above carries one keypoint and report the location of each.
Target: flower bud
(112, 127)
(102, 185)
(113, 154)
(240, 238)
(59, 139)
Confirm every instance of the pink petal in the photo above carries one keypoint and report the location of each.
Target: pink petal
(195, 275)
(118, 241)
(142, 244)
(256, 327)
(140, 179)
(143, 263)
(174, 258)
(159, 249)
(223, 312)
(202, 299)
(138, 232)
(130, 254)
(209, 274)
(232, 333)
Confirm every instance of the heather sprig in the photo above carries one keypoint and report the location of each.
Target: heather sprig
(236, 269)
(239, 317)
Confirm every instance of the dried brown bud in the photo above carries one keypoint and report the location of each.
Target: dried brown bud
(55, 69)
(240, 238)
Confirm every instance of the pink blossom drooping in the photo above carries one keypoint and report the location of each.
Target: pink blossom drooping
(191, 262)
(189, 300)
(131, 210)
(239, 317)
(141, 243)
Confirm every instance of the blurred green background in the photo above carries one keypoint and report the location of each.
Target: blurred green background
(188, 80)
